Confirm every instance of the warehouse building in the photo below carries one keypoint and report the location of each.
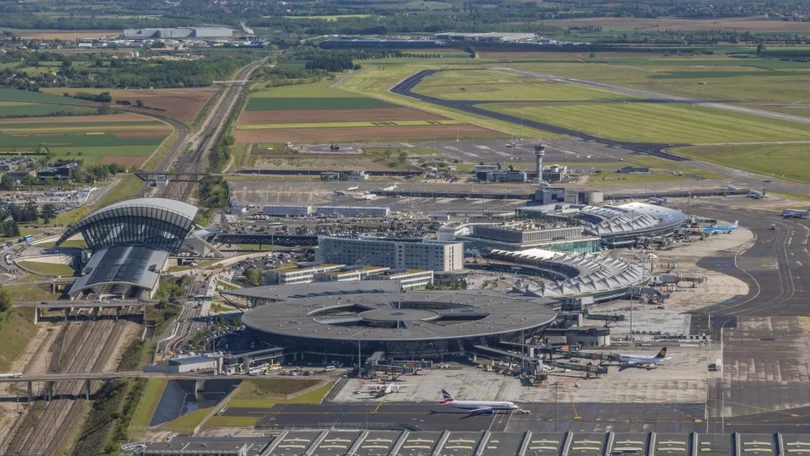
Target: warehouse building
(397, 254)
(488, 37)
(177, 32)
(354, 211)
(287, 210)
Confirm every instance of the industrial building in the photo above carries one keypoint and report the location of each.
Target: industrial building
(554, 195)
(287, 210)
(488, 37)
(303, 273)
(343, 322)
(177, 32)
(354, 211)
(397, 254)
(131, 241)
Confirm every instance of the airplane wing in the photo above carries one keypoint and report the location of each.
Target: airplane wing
(631, 363)
(480, 410)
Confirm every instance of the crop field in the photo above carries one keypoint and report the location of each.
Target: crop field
(661, 123)
(126, 139)
(317, 113)
(61, 34)
(785, 161)
(327, 18)
(181, 104)
(498, 85)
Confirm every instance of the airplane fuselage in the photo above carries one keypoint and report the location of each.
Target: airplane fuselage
(479, 405)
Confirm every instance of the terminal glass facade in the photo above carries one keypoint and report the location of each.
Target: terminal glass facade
(160, 228)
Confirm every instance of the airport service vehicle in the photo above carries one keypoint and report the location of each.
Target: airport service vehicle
(795, 213)
(756, 195)
(12, 375)
(477, 406)
(340, 193)
(720, 229)
(641, 360)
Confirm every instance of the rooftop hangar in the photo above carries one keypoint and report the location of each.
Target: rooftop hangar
(342, 319)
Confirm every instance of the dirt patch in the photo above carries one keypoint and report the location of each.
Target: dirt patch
(363, 134)
(77, 119)
(753, 24)
(126, 160)
(334, 115)
(182, 104)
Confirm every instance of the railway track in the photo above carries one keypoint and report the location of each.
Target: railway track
(202, 143)
(79, 347)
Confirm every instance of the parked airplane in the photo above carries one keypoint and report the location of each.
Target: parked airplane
(476, 406)
(658, 201)
(795, 213)
(731, 188)
(385, 389)
(389, 189)
(353, 189)
(720, 229)
(640, 360)
(755, 194)
(365, 196)
(340, 193)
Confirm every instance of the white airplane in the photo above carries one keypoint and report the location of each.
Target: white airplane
(389, 189)
(731, 188)
(476, 406)
(353, 189)
(755, 194)
(795, 213)
(386, 389)
(658, 201)
(365, 196)
(640, 360)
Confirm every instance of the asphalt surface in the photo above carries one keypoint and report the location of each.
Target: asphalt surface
(544, 417)
(406, 88)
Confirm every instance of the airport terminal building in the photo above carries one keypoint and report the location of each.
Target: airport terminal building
(347, 318)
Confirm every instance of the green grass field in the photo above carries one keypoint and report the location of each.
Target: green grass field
(389, 123)
(499, 85)
(186, 423)
(16, 331)
(332, 18)
(9, 142)
(83, 127)
(29, 292)
(42, 110)
(51, 269)
(377, 80)
(266, 393)
(149, 402)
(276, 104)
(785, 161)
(320, 89)
(660, 123)
(39, 97)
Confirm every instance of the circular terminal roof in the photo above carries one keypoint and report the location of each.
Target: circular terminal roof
(412, 316)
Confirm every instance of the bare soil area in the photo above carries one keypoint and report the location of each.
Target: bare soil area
(360, 134)
(126, 160)
(334, 115)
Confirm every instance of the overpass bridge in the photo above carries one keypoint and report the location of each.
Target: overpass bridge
(96, 307)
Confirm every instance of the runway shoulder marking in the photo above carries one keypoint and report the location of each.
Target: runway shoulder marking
(482, 147)
(454, 149)
(407, 145)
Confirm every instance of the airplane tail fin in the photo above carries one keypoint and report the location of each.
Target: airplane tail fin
(446, 397)
(662, 353)
(736, 223)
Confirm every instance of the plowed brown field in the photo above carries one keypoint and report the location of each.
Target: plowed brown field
(334, 115)
(182, 104)
(362, 134)
(128, 160)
